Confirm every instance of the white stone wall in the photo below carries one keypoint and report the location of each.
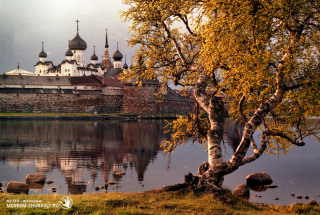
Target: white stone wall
(117, 64)
(78, 55)
(68, 69)
(42, 69)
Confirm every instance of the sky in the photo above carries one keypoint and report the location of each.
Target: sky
(24, 24)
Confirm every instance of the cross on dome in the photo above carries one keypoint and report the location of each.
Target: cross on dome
(77, 26)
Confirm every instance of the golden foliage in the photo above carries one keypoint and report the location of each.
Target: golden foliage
(239, 44)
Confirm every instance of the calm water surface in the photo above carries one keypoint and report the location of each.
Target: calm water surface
(80, 155)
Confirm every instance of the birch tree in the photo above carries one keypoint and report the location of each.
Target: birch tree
(262, 56)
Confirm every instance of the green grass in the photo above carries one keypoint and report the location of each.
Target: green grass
(152, 202)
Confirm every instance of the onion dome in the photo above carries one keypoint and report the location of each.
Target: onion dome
(77, 43)
(69, 53)
(125, 65)
(42, 54)
(117, 56)
(131, 66)
(94, 56)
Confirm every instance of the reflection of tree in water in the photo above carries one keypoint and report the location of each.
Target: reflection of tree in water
(74, 147)
(233, 133)
(141, 143)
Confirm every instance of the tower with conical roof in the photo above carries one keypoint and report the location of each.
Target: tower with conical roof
(77, 45)
(106, 62)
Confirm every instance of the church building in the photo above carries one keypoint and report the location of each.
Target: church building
(75, 86)
(74, 63)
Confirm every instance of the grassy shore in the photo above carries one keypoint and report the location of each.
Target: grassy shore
(152, 202)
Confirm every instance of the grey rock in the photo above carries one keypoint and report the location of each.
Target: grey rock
(258, 181)
(49, 182)
(17, 187)
(313, 203)
(260, 177)
(271, 186)
(35, 186)
(36, 178)
(242, 191)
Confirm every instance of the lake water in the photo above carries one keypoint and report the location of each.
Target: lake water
(80, 155)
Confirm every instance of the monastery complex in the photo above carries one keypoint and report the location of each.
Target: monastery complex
(74, 86)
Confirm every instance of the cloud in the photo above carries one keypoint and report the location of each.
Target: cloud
(25, 24)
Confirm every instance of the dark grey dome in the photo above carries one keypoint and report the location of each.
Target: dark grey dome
(131, 67)
(69, 53)
(77, 43)
(94, 57)
(42, 54)
(117, 56)
(125, 66)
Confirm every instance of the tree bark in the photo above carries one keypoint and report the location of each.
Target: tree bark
(216, 112)
(216, 169)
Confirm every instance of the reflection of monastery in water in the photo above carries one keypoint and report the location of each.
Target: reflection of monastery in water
(78, 147)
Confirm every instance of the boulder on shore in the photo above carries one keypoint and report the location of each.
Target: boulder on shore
(258, 181)
(36, 178)
(313, 203)
(49, 182)
(242, 191)
(17, 187)
(35, 186)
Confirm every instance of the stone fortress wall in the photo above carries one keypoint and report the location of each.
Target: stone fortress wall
(58, 102)
(143, 100)
(106, 99)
